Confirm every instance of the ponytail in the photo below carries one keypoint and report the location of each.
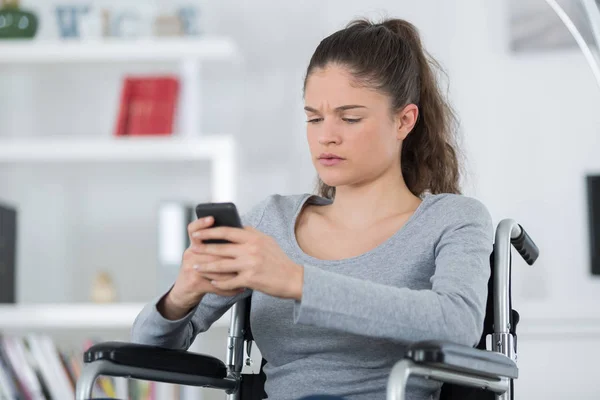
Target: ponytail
(429, 156)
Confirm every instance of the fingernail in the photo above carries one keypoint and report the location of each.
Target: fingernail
(196, 234)
(206, 219)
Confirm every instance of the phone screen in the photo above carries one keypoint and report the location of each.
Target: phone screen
(224, 214)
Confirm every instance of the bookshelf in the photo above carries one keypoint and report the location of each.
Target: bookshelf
(88, 316)
(188, 145)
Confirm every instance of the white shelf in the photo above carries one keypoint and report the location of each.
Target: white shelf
(136, 148)
(124, 50)
(220, 150)
(75, 316)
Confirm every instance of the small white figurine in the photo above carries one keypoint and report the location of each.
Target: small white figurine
(103, 289)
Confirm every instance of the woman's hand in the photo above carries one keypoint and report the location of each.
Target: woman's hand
(255, 260)
(190, 286)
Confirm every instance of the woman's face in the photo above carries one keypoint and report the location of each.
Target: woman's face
(352, 135)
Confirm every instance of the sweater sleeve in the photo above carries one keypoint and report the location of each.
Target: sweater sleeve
(150, 327)
(453, 309)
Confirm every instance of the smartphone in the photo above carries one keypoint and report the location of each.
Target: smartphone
(224, 214)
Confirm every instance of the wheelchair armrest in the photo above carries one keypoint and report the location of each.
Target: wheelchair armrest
(157, 358)
(459, 358)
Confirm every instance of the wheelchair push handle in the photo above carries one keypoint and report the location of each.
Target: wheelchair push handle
(525, 246)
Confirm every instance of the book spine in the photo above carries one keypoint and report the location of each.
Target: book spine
(121, 126)
(8, 243)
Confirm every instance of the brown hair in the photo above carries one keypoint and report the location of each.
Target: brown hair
(389, 57)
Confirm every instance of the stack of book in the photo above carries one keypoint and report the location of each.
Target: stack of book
(32, 367)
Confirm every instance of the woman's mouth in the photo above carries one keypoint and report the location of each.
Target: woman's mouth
(330, 161)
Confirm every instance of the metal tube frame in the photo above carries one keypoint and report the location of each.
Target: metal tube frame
(235, 347)
(507, 229)
(502, 340)
(396, 388)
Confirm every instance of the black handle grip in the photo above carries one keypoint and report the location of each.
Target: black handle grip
(526, 247)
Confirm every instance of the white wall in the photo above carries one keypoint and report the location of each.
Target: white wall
(530, 123)
(532, 128)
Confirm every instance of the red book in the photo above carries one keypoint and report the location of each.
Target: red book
(147, 106)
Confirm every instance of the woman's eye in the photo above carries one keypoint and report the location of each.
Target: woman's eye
(352, 120)
(314, 120)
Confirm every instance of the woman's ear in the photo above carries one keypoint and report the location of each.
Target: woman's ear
(406, 120)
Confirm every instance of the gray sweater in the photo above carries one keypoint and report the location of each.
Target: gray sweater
(426, 282)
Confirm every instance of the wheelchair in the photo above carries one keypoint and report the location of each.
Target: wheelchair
(465, 372)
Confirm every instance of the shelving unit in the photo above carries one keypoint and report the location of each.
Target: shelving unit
(76, 316)
(188, 144)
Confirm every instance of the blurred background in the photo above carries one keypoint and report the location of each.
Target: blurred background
(117, 116)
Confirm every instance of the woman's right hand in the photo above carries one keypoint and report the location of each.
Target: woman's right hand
(190, 286)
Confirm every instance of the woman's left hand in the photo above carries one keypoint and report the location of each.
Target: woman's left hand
(255, 258)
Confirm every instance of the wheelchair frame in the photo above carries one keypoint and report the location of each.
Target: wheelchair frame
(503, 341)
(451, 363)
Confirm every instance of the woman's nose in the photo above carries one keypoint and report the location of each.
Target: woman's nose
(329, 135)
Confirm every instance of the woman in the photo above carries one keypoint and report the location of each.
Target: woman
(387, 253)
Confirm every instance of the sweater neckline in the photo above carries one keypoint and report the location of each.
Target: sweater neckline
(309, 198)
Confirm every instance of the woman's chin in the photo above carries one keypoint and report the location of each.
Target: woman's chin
(332, 177)
(332, 181)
